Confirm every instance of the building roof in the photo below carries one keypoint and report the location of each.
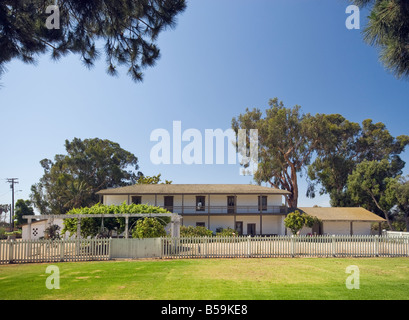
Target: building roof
(342, 214)
(193, 189)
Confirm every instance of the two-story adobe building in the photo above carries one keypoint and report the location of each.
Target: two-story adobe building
(249, 209)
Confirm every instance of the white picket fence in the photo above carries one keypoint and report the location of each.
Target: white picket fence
(394, 234)
(25, 251)
(285, 246)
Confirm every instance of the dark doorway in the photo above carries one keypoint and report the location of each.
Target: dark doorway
(251, 229)
(200, 203)
(231, 204)
(239, 227)
(168, 203)
(316, 229)
(136, 199)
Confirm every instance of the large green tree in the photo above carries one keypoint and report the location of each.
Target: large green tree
(343, 146)
(287, 140)
(388, 30)
(22, 208)
(398, 194)
(72, 179)
(127, 30)
(369, 185)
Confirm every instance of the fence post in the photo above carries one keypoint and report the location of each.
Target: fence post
(61, 250)
(376, 246)
(333, 246)
(248, 247)
(11, 253)
(292, 246)
(109, 248)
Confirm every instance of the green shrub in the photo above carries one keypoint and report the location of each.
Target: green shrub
(227, 232)
(191, 231)
(296, 220)
(148, 228)
(3, 233)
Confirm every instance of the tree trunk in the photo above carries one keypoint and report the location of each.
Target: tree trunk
(386, 213)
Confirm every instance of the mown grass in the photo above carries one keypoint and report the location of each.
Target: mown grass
(211, 279)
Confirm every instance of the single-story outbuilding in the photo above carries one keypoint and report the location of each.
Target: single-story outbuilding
(341, 221)
(38, 227)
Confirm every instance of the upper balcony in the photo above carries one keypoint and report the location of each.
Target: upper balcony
(238, 210)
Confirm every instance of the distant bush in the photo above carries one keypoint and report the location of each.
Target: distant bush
(3, 233)
(191, 231)
(227, 232)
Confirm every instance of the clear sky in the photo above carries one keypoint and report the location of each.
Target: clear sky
(223, 56)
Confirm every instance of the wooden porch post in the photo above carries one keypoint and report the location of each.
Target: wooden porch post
(29, 228)
(79, 228)
(260, 203)
(208, 211)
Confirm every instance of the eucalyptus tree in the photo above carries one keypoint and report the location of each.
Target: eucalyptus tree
(343, 146)
(71, 180)
(287, 140)
(369, 185)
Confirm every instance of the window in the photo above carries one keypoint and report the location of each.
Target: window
(262, 203)
(200, 224)
(136, 199)
(200, 203)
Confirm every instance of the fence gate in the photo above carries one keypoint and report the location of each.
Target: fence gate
(135, 248)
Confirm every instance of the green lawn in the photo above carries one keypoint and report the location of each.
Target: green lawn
(210, 279)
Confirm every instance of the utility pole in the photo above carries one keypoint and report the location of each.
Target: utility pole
(12, 182)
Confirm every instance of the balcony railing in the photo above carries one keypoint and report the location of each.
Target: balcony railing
(227, 209)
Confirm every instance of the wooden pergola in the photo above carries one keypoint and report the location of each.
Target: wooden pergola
(175, 220)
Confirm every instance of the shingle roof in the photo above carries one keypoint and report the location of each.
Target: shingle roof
(342, 214)
(193, 189)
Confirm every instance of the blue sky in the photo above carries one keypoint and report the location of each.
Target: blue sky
(223, 56)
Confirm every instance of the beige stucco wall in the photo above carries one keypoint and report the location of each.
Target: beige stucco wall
(340, 228)
(271, 224)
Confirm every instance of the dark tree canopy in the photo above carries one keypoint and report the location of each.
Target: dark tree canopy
(71, 180)
(128, 30)
(343, 146)
(22, 208)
